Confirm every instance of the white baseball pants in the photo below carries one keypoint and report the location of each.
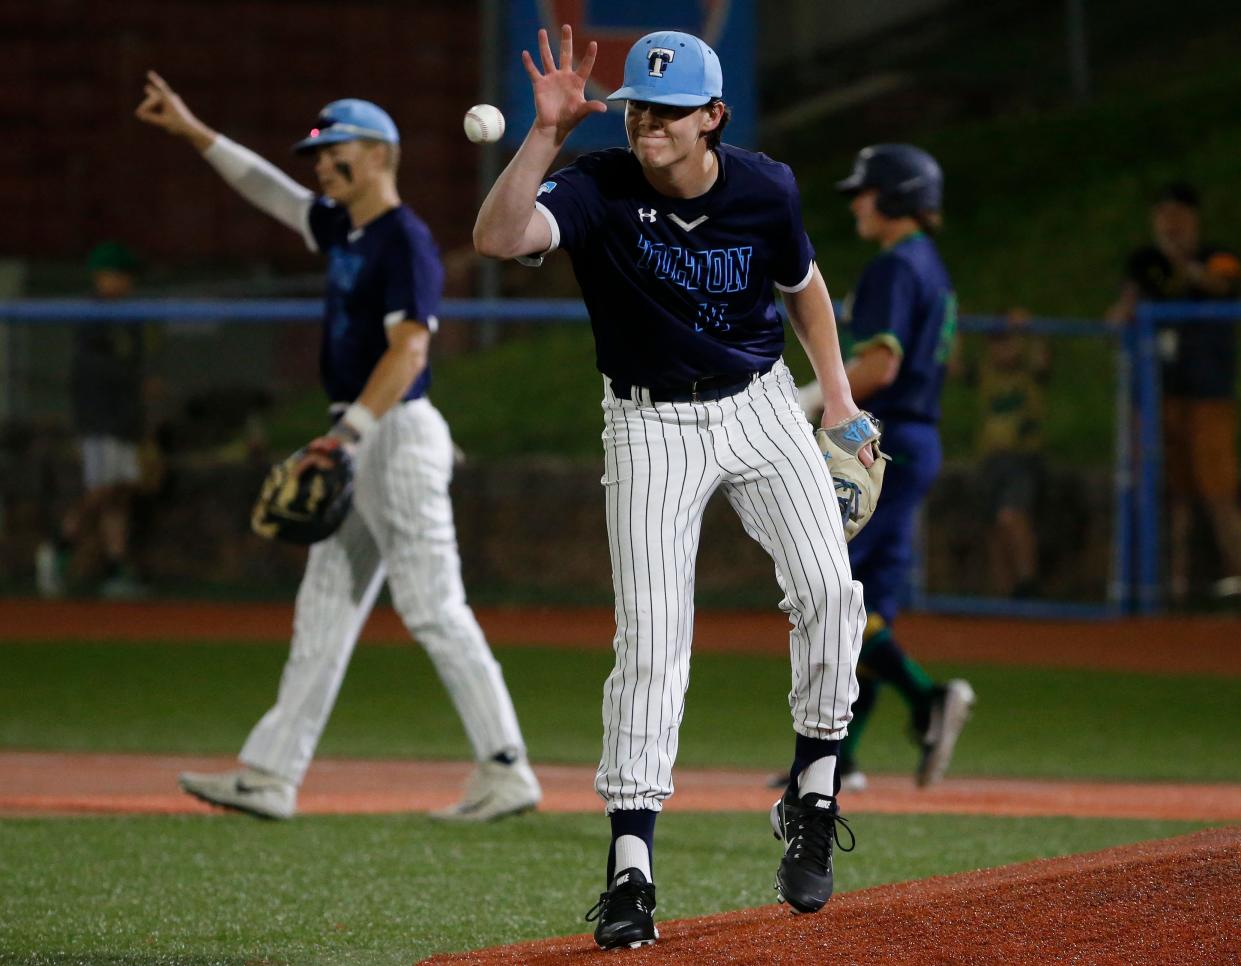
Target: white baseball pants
(662, 463)
(400, 527)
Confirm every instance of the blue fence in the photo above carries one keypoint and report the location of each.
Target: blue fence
(1141, 348)
(1135, 585)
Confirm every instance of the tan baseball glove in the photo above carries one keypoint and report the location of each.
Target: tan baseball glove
(857, 486)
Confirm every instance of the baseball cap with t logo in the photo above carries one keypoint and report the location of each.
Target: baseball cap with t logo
(670, 67)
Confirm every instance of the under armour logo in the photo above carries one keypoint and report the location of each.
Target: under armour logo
(658, 58)
(645, 214)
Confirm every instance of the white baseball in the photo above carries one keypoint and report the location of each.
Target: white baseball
(484, 124)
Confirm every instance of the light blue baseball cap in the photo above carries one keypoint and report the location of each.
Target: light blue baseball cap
(350, 119)
(670, 67)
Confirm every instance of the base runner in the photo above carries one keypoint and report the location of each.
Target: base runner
(901, 321)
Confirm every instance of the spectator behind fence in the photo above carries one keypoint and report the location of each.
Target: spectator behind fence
(1199, 381)
(1011, 377)
(106, 389)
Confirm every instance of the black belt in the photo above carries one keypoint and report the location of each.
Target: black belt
(706, 389)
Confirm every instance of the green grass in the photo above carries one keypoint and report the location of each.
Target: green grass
(392, 889)
(204, 698)
(539, 393)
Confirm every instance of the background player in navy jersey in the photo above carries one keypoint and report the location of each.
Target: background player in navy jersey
(677, 243)
(383, 290)
(901, 323)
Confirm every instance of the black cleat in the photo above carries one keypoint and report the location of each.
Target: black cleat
(624, 912)
(807, 826)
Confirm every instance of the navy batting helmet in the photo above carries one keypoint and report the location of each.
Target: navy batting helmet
(908, 179)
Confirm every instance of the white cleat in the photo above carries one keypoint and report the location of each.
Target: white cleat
(853, 781)
(245, 790)
(495, 790)
(950, 711)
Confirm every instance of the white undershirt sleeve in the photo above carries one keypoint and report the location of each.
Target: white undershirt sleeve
(794, 289)
(263, 185)
(535, 259)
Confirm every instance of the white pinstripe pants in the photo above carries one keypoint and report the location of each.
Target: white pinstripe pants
(662, 463)
(400, 527)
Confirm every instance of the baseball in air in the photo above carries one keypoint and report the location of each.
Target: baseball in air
(484, 124)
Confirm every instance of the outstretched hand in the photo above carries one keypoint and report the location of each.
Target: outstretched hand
(560, 102)
(162, 107)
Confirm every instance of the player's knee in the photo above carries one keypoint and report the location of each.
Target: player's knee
(826, 596)
(444, 628)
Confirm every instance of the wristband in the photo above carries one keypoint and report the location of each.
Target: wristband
(356, 422)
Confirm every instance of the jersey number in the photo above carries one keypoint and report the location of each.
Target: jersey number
(711, 318)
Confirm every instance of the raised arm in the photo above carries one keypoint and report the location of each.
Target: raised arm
(508, 223)
(258, 181)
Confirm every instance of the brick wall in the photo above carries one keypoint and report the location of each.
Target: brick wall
(75, 166)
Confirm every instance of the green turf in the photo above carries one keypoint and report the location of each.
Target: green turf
(391, 889)
(204, 698)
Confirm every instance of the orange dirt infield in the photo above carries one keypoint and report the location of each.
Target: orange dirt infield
(39, 783)
(1172, 901)
(1181, 645)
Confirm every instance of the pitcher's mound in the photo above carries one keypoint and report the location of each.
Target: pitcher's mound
(1171, 901)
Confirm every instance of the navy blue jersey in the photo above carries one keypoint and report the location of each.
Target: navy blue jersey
(680, 289)
(387, 271)
(905, 301)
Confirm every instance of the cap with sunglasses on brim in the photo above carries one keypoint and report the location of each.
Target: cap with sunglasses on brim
(350, 119)
(671, 67)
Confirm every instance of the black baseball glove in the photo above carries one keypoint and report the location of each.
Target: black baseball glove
(306, 496)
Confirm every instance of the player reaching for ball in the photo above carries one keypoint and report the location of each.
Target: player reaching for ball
(901, 322)
(383, 289)
(677, 243)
